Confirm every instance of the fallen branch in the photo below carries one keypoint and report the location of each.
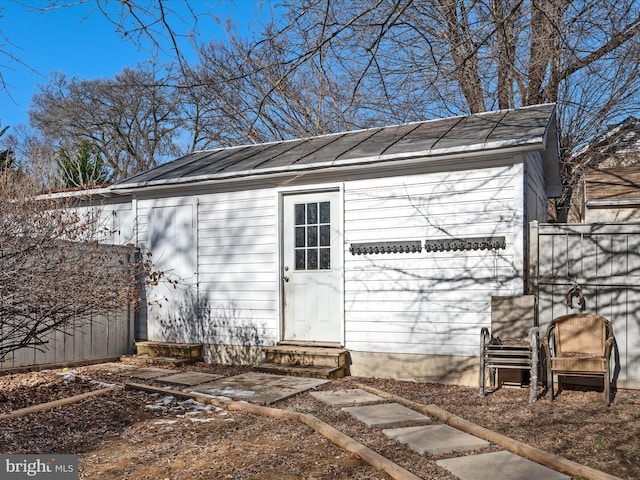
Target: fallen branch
(56, 403)
(537, 455)
(337, 437)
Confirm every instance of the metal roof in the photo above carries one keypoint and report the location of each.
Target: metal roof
(525, 128)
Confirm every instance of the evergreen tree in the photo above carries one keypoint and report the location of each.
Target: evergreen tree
(7, 156)
(84, 167)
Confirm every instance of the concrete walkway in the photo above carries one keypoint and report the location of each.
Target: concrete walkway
(419, 433)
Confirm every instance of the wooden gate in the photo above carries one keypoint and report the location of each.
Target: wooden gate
(591, 268)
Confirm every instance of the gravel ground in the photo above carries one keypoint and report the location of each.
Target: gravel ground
(132, 434)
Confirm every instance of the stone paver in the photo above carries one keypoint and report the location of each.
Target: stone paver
(502, 465)
(150, 372)
(261, 388)
(344, 398)
(387, 415)
(189, 379)
(436, 439)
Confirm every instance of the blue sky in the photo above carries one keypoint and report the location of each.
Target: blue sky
(80, 42)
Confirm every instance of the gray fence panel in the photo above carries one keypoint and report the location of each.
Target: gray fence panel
(96, 337)
(604, 261)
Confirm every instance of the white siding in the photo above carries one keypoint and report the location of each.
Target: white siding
(238, 265)
(117, 219)
(111, 222)
(233, 299)
(430, 303)
(534, 188)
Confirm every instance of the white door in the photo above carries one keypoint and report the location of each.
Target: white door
(312, 267)
(172, 244)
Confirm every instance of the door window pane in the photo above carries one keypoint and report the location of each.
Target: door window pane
(312, 259)
(325, 212)
(312, 236)
(299, 214)
(300, 259)
(325, 235)
(312, 213)
(325, 259)
(300, 240)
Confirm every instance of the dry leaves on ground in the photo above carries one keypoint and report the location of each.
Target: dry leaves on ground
(132, 434)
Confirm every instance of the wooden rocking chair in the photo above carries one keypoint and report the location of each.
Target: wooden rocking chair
(579, 345)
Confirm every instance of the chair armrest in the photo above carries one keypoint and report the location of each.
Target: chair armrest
(547, 349)
(484, 336)
(608, 344)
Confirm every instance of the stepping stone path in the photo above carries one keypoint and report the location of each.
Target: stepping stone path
(386, 415)
(346, 398)
(403, 424)
(436, 439)
(504, 465)
(260, 388)
(189, 379)
(150, 373)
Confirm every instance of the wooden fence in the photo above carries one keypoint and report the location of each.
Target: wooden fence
(97, 337)
(599, 263)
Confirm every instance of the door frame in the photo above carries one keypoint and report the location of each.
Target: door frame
(294, 191)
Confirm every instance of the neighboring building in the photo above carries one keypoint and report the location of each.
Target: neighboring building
(612, 195)
(387, 241)
(619, 146)
(610, 187)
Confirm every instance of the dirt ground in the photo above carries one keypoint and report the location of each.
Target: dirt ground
(129, 434)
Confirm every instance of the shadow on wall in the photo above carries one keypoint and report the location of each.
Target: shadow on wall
(227, 336)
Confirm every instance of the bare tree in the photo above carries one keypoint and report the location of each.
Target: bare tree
(52, 274)
(241, 92)
(405, 60)
(132, 119)
(328, 65)
(35, 155)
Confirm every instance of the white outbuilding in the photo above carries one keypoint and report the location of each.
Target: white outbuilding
(387, 242)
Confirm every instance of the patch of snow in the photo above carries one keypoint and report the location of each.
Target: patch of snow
(68, 374)
(230, 392)
(201, 394)
(165, 422)
(208, 395)
(102, 384)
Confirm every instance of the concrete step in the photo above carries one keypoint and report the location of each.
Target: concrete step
(169, 349)
(303, 355)
(323, 372)
(146, 360)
